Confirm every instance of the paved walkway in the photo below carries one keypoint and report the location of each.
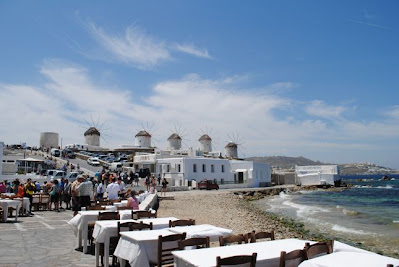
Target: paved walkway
(42, 240)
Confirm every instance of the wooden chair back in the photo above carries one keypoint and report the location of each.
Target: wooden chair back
(104, 203)
(181, 223)
(237, 260)
(108, 215)
(197, 242)
(96, 207)
(232, 239)
(167, 244)
(144, 214)
(318, 249)
(260, 235)
(293, 258)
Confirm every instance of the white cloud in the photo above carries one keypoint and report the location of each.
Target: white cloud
(321, 109)
(70, 96)
(393, 112)
(138, 48)
(192, 50)
(134, 47)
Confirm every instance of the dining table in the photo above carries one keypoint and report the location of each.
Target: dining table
(10, 203)
(139, 247)
(201, 230)
(350, 259)
(268, 253)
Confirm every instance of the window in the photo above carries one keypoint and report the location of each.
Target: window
(178, 167)
(222, 168)
(194, 167)
(168, 168)
(212, 168)
(203, 168)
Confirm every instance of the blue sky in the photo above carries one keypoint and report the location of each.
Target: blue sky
(297, 78)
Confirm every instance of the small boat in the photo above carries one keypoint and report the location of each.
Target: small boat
(385, 178)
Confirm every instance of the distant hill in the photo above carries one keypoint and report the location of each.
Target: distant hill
(286, 162)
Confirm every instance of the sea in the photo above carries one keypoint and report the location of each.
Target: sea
(367, 214)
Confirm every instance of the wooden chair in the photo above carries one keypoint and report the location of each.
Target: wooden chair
(106, 215)
(237, 260)
(1, 213)
(181, 223)
(36, 202)
(261, 235)
(104, 202)
(96, 207)
(197, 242)
(293, 258)
(44, 201)
(231, 239)
(144, 214)
(167, 244)
(318, 249)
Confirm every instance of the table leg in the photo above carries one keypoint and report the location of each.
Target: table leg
(106, 252)
(80, 238)
(121, 262)
(16, 212)
(85, 230)
(97, 253)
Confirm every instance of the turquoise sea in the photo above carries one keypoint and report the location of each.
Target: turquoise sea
(368, 213)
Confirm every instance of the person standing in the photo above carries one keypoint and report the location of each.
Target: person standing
(75, 195)
(122, 188)
(113, 190)
(100, 190)
(159, 179)
(67, 194)
(29, 190)
(85, 190)
(55, 196)
(147, 183)
(164, 186)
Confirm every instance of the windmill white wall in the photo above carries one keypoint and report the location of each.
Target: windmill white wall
(174, 142)
(92, 137)
(231, 150)
(205, 143)
(142, 139)
(48, 140)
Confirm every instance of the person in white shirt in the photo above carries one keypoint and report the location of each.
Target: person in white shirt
(113, 189)
(100, 190)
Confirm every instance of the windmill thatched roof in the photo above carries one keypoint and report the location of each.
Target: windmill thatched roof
(231, 144)
(174, 136)
(143, 133)
(205, 137)
(91, 131)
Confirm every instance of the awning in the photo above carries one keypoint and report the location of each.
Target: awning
(31, 160)
(241, 170)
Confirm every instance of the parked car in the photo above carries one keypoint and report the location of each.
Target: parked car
(55, 174)
(93, 161)
(72, 176)
(55, 152)
(208, 185)
(68, 153)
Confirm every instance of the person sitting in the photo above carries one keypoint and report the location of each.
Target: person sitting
(132, 201)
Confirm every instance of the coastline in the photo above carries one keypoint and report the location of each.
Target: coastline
(232, 209)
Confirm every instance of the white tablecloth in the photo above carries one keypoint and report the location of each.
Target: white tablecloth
(202, 230)
(103, 231)
(158, 223)
(6, 203)
(140, 247)
(110, 208)
(350, 259)
(268, 253)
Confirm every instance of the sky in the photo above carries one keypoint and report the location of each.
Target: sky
(318, 79)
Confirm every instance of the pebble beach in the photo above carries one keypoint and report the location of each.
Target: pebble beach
(221, 208)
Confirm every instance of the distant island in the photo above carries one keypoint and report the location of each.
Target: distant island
(283, 162)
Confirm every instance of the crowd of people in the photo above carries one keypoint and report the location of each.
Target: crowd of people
(79, 193)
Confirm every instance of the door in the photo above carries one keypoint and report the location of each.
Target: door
(240, 177)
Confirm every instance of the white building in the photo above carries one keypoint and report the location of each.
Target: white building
(92, 137)
(318, 175)
(181, 167)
